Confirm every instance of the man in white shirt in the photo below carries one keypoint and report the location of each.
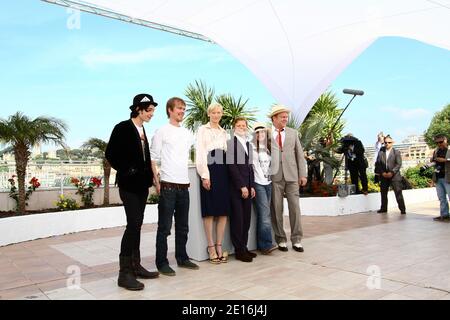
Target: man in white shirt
(170, 147)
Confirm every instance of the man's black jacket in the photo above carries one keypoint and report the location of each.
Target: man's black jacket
(124, 153)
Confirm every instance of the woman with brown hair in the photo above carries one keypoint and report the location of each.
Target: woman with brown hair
(263, 187)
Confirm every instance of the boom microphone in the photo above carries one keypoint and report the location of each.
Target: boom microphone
(354, 92)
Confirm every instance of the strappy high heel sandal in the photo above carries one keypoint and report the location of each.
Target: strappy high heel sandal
(224, 257)
(213, 257)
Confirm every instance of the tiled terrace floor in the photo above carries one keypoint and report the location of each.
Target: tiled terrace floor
(411, 253)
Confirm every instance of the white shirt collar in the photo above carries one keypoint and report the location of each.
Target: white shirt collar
(208, 125)
(243, 142)
(276, 130)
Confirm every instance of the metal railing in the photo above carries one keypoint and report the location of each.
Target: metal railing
(54, 174)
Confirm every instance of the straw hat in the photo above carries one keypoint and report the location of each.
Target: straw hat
(278, 108)
(258, 126)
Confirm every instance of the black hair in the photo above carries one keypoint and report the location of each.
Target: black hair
(135, 112)
(440, 136)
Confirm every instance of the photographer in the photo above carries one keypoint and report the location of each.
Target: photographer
(355, 161)
(441, 176)
(313, 165)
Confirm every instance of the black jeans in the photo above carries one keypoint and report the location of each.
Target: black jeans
(384, 188)
(134, 203)
(172, 202)
(358, 172)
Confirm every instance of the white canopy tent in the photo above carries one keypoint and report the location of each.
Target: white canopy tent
(296, 48)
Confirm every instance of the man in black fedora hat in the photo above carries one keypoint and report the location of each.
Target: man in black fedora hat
(128, 153)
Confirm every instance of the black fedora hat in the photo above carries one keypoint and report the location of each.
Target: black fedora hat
(142, 99)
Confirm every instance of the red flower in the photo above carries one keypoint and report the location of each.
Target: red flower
(96, 181)
(35, 182)
(75, 181)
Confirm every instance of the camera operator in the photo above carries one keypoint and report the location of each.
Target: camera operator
(441, 175)
(355, 161)
(313, 165)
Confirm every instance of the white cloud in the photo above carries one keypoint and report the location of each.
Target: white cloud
(406, 114)
(402, 133)
(173, 54)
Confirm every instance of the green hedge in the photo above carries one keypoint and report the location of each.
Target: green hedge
(417, 179)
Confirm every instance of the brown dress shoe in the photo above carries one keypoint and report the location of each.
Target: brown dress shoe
(243, 256)
(251, 254)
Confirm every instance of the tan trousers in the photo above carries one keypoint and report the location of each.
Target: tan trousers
(291, 189)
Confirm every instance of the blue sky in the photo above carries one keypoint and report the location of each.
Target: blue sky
(88, 76)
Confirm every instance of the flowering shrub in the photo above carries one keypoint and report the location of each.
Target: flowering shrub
(153, 198)
(66, 203)
(321, 189)
(14, 192)
(418, 179)
(86, 188)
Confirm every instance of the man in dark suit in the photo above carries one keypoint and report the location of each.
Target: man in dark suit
(128, 153)
(355, 161)
(387, 167)
(242, 189)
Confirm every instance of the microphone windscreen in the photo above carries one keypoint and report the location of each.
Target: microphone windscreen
(354, 92)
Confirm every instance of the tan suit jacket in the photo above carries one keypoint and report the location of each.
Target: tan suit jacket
(290, 163)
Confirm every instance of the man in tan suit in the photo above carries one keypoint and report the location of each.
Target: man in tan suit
(288, 174)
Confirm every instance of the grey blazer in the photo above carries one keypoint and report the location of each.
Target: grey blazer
(290, 163)
(394, 163)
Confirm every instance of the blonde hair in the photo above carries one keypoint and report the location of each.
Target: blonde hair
(213, 106)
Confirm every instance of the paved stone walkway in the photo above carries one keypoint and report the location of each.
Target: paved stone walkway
(362, 256)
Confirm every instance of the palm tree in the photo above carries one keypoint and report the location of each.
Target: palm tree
(200, 96)
(233, 109)
(98, 149)
(326, 110)
(309, 134)
(321, 123)
(22, 134)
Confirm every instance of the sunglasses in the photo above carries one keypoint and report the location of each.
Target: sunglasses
(439, 142)
(388, 142)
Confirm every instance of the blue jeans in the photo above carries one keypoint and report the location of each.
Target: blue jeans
(264, 224)
(443, 191)
(172, 202)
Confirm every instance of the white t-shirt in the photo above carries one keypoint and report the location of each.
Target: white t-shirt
(261, 164)
(142, 136)
(171, 146)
